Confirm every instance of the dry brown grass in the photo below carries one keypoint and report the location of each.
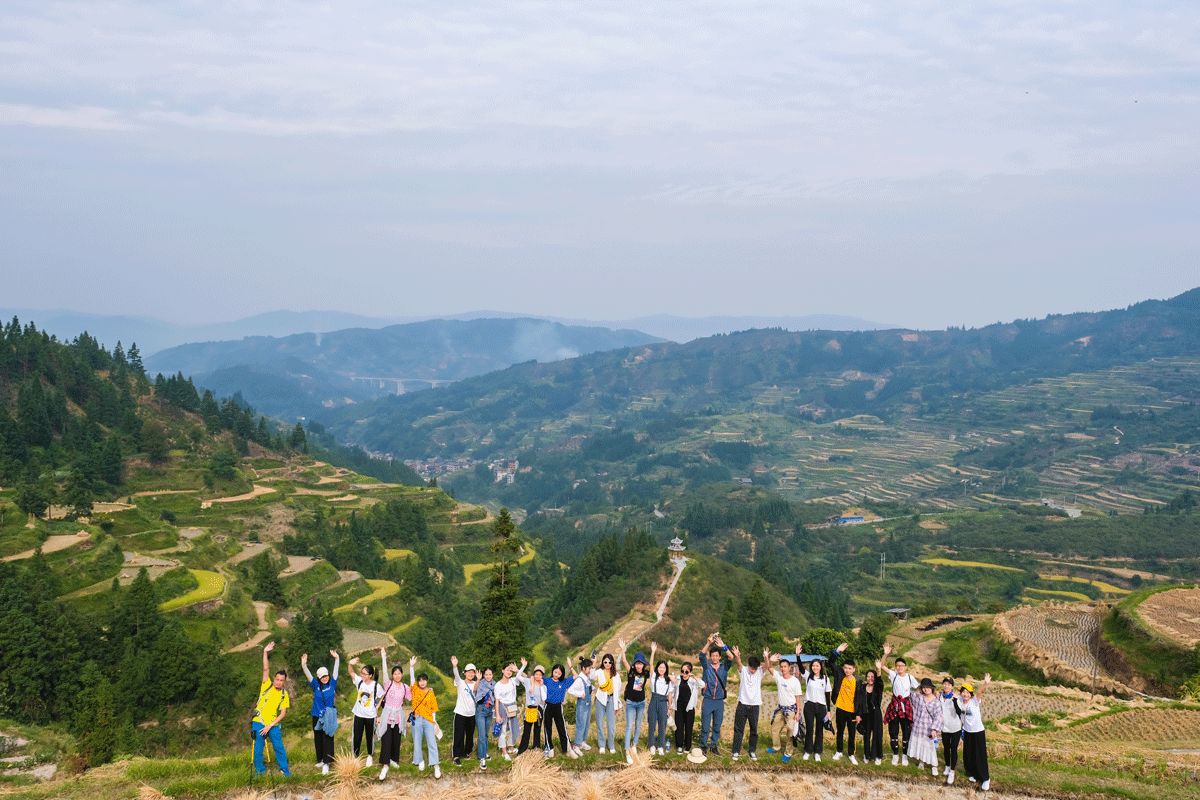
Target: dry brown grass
(348, 782)
(147, 792)
(534, 779)
(640, 780)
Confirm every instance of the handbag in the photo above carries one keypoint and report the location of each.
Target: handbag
(531, 715)
(510, 711)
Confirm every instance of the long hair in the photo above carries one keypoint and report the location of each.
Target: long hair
(612, 664)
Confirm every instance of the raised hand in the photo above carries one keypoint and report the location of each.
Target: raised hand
(270, 646)
(412, 662)
(987, 677)
(524, 663)
(334, 654)
(799, 649)
(775, 658)
(454, 661)
(354, 661)
(736, 652)
(887, 649)
(842, 646)
(304, 660)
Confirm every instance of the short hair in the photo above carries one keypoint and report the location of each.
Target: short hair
(753, 662)
(422, 677)
(282, 672)
(585, 663)
(948, 680)
(901, 661)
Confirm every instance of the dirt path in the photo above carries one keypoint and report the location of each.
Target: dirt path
(258, 491)
(263, 631)
(634, 627)
(298, 564)
(249, 551)
(53, 544)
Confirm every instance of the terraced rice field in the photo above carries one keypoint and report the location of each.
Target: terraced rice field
(381, 589)
(1044, 594)
(212, 584)
(1107, 588)
(1005, 701)
(1064, 633)
(948, 562)
(1153, 727)
(1174, 613)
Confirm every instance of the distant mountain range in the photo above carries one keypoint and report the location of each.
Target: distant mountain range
(153, 335)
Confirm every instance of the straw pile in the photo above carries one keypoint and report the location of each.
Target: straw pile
(640, 780)
(148, 792)
(348, 783)
(533, 779)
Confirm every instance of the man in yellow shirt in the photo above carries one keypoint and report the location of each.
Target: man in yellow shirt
(849, 700)
(273, 702)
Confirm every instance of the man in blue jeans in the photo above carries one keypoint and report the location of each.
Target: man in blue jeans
(716, 676)
(273, 702)
(583, 703)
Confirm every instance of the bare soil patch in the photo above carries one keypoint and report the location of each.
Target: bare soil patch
(298, 564)
(54, 544)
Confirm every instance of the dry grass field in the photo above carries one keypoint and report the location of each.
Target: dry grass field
(1158, 728)
(1174, 613)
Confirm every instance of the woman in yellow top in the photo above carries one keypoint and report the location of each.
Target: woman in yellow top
(424, 709)
(273, 702)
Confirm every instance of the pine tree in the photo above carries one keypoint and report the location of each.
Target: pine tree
(500, 637)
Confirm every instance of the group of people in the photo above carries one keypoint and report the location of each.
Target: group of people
(812, 697)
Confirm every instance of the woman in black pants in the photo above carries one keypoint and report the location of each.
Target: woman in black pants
(816, 709)
(872, 720)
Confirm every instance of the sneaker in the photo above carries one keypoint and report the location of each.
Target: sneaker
(324, 769)
(986, 785)
(629, 753)
(950, 778)
(383, 773)
(678, 751)
(786, 759)
(483, 763)
(770, 749)
(457, 761)
(895, 759)
(753, 756)
(806, 755)
(421, 764)
(817, 756)
(549, 752)
(878, 761)
(736, 756)
(507, 757)
(370, 761)
(972, 780)
(935, 772)
(585, 746)
(837, 756)
(854, 761)
(602, 750)
(904, 761)
(437, 771)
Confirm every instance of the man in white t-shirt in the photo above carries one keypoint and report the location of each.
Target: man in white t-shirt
(786, 713)
(749, 702)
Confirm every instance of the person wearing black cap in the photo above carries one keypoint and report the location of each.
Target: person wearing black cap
(974, 741)
(926, 727)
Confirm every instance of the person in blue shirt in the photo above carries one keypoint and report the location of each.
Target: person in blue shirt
(716, 678)
(324, 687)
(556, 693)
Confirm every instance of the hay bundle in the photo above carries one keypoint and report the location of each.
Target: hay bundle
(348, 783)
(590, 789)
(760, 783)
(533, 779)
(148, 792)
(640, 780)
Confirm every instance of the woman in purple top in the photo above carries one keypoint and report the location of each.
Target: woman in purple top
(556, 692)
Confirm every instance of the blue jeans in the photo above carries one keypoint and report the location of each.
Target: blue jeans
(483, 729)
(423, 729)
(276, 744)
(712, 711)
(606, 723)
(583, 718)
(656, 721)
(634, 711)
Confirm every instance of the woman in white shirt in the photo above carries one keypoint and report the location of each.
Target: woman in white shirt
(662, 688)
(364, 708)
(816, 709)
(608, 700)
(974, 740)
(508, 711)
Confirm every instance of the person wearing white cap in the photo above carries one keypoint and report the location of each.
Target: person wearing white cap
(464, 712)
(324, 688)
(535, 707)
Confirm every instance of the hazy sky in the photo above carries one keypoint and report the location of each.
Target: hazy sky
(926, 163)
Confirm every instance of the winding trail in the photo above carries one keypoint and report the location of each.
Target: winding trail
(263, 630)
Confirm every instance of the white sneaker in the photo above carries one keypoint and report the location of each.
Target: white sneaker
(904, 761)
(736, 756)
(602, 751)
(585, 746)
(837, 756)
(629, 756)
(986, 785)
(806, 756)
(853, 760)
(950, 778)
(678, 751)
(878, 761)
(896, 760)
(383, 772)
(507, 757)
(370, 761)
(817, 756)
(935, 772)
(421, 766)
(483, 763)
(437, 771)
(753, 756)
(549, 752)
(324, 769)
(972, 780)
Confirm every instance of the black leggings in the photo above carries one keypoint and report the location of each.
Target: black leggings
(895, 727)
(684, 722)
(873, 735)
(323, 743)
(554, 714)
(389, 745)
(536, 729)
(464, 736)
(814, 727)
(950, 748)
(364, 725)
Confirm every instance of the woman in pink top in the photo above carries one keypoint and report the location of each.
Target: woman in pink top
(391, 715)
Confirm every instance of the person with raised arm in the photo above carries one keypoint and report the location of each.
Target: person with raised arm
(785, 718)
(581, 689)
(749, 705)
(535, 706)
(391, 714)
(662, 689)
(688, 689)
(508, 710)
(273, 703)
(974, 740)
(425, 727)
(817, 690)
(872, 717)
(557, 684)
(716, 677)
(464, 712)
(485, 705)
(608, 701)
(364, 708)
(324, 710)
(899, 714)
(635, 699)
(847, 694)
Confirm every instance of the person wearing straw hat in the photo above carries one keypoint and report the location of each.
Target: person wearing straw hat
(974, 740)
(927, 726)
(464, 712)
(324, 688)
(273, 703)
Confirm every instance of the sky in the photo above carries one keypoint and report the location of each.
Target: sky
(928, 164)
